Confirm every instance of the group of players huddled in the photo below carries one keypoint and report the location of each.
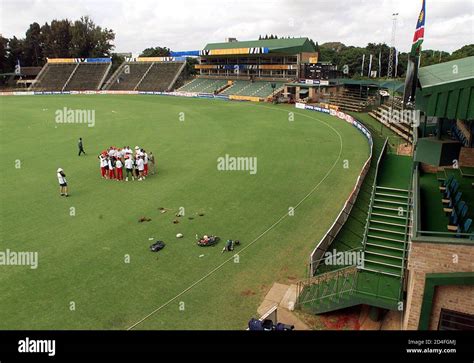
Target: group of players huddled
(137, 163)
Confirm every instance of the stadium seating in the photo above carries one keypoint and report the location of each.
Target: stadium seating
(352, 100)
(127, 76)
(145, 76)
(253, 89)
(204, 85)
(70, 77)
(260, 89)
(459, 134)
(160, 76)
(383, 114)
(53, 77)
(87, 76)
(454, 206)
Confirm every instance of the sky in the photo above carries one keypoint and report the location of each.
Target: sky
(190, 25)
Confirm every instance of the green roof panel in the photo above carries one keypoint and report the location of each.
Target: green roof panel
(443, 73)
(447, 89)
(287, 46)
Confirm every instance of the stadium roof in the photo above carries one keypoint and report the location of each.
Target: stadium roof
(447, 89)
(453, 71)
(291, 46)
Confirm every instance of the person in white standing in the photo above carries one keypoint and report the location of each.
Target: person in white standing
(62, 182)
(129, 167)
(141, 168)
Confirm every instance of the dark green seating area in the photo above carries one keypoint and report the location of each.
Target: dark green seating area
(453, 204)
(447, 200)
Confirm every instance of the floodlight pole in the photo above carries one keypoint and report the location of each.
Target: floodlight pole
(392, 45)
(390, 58)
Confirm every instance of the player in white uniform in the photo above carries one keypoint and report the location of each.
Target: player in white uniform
(129, 167)
(62, 182)
(141, 168)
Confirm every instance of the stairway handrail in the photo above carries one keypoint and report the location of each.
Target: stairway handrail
(325, 276)
(409, 213)
(372, 196)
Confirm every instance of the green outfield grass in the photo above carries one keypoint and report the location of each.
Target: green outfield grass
(82, 257)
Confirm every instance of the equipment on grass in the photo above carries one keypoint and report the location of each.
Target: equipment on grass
(208, 241)
(157, 246)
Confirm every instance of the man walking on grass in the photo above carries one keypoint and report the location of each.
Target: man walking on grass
(81, 147)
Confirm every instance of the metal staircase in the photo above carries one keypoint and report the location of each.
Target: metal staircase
(378, 281)
(330, 291)
(386, 238)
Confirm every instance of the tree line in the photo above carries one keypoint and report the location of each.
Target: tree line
(59, 39)
(350, 56)
(84, 39)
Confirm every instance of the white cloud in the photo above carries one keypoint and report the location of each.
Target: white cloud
(189, 25)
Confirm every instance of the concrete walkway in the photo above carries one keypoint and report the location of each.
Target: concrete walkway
(284, 297)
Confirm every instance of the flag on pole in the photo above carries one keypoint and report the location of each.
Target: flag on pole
(419, 32)
(370, 65)
(363, 61)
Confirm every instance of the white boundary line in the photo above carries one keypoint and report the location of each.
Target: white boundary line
(263, 233)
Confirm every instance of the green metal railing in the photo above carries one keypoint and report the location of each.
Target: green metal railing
(330, 286)
(372, 196)
(409, 216)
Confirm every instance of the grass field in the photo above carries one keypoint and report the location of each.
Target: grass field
(82, 257)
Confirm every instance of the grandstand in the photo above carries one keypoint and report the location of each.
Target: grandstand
(145, 74)
(87, 76)
(204, 85)
(53, 77)
(349, 99)
(269, 59)
(72, 74)
(253, 89)
(21, 79)
(249, 69)
(260, 89)
(389, 115)
(161, 76)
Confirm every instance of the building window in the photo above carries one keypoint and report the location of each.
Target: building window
(453, 320)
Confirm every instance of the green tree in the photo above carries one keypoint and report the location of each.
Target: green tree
(4, 64)
(90, 40)
(56, 39)
(466, 51)
(156, 52)
(15, 53)
(189, 68)
(33, 52)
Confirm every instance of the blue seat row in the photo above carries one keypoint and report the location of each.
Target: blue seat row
(459, 135)
(455, 206)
